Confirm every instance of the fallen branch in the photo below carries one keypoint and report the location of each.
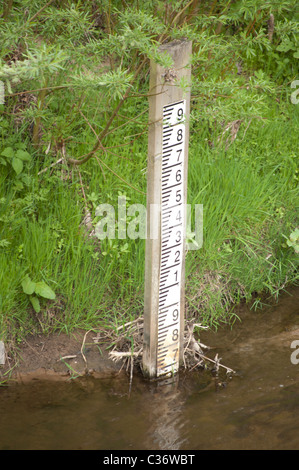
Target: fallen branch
(82, 346)
(117, 355)
(127, 341)
(217, 364)
(51, 166)
(67, 357)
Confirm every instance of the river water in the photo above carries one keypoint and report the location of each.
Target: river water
(258, 408)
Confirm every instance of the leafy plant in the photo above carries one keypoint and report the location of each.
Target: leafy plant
(41, 289)
(15, 158)
(293, 240)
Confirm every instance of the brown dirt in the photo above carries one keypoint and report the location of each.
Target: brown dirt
(59, 357)
(62, 356)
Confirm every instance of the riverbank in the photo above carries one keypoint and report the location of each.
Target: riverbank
(249, 197)
(72, 141)
(257, 409)
(67, 357)
(58, 357)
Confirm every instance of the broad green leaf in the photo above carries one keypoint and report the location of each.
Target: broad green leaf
(20, 145)
(8, 152)
(22, 155)
(28, 285)
(294, 236)
(18, 186)
(35, 303)
(285, 46)
(17, 165)
(42, 289)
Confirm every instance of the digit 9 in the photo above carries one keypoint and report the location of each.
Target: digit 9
(180, 114)
(175, 314)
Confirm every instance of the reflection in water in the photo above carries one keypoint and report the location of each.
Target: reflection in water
(167, 415)
(258, 409)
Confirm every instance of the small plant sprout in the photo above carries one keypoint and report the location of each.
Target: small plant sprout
(40, 289)
(293, 240)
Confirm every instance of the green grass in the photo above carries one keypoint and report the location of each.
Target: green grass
(43, 236)
(250, 201)
(249, 194)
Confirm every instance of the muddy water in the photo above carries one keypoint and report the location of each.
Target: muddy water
(257, 409)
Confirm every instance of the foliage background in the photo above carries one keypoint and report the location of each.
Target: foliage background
(74, 134)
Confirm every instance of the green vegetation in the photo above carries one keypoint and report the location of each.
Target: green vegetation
(73, 132)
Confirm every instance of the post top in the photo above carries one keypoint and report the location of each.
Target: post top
(174, 43)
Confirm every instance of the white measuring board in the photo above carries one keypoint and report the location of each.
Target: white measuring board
(172, 237)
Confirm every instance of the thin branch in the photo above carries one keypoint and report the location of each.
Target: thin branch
(99, 163)
(181, 12)
(50, 166)
(128, 120)
(164, 34)
(110, 120)
(130, 323)
(39, 89)
(228, 369)
(103, 163)
(82, 346)
(122, 179)
(117, 355)
(39, 11)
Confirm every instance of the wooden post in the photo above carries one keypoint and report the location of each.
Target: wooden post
(165, 90)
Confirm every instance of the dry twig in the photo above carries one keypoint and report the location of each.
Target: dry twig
(127, 343)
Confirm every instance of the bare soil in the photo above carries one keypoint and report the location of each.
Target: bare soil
(59, 357)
